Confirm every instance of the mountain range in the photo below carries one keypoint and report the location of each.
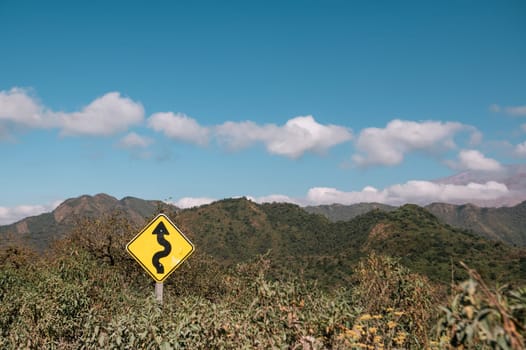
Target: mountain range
(506, 224)
(39, 231)
(237, 229)
(298, 242)
(502, 218)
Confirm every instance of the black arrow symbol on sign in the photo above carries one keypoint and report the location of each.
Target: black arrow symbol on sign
(160, 231)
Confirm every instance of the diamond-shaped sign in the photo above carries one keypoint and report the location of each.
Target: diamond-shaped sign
(160, 247)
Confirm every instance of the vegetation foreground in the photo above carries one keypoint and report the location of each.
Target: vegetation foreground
(87, 293)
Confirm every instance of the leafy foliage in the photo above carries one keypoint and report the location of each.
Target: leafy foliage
(382, 283)
(86, 292)
(433, 249)
(477, 315)
(236, 230)
(233, 231)
(77, 299)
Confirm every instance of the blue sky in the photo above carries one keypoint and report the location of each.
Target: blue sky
(305, 101)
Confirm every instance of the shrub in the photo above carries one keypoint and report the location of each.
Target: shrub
(478, 316)
(388, 292)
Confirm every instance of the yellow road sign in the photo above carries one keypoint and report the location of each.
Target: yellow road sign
(160, 247)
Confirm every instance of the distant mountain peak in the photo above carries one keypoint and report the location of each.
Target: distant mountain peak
(43, 228)
(507, 224)
(85, 204)
(513, 176)
(238, 230)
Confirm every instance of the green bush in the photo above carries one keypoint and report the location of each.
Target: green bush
(87, 293)
(478, 317)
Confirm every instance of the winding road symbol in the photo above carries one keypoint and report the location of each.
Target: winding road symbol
(160, 231)
(160, 247)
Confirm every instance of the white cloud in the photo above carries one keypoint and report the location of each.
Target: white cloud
(133, 140)
(425, 192)
(276, 198)
(520, 149)
(299, 135)
(190, 202)
(180, 127)
(106, 115)
(418, 192)
(389, 145)
(327, 195)
(238, 135)
(9, 215)
(475, 160)
(523, 127)
(516, 111)
(17, 107)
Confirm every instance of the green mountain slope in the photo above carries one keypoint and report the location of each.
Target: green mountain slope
(505, 223)
(39, 231)
(299, 243)
(236, 230)
(430, 247)
(340, 212)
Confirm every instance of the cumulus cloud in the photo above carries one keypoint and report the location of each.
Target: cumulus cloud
(418, 192)
(276, 198)
(238, 135)
(475, 160)
(134, 141)
(190, 202)
(179, 127)
(425, 192)
(328, 195)
(18, 108)
(9, 215)
(299, 135)
(106, 115)
(389, 145)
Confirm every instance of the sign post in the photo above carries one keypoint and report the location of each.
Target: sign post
(160, 248)
(159, 292)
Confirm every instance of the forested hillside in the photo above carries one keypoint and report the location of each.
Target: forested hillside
(86, 292)
(507, 224)
(236, 230)
(39, 231)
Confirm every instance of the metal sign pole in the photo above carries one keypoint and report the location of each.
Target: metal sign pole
(159, 292)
